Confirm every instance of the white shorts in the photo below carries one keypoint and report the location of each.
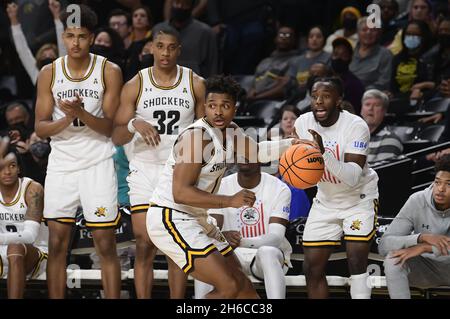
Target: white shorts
(94, 189)
(142, 181)
(325, 226)
(180, 237)
(247, 259)
(39, 268)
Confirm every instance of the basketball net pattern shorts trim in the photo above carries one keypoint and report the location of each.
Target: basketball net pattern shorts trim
(38, 269)
(180, 237)
(326, 226)
(93, 188)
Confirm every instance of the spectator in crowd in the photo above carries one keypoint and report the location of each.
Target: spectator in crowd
(199, 9)
(389, 24)
(142, 32)
(299, 68)
(18, 119)
(383, 143)
(421, 10)
(371, 62)
(46, 53)
(348, 19)
(409, 72)
(417, 242)
(317, 70)
(120, 21)
(198, 41)
(340, 61)
(242, 27)
(108, 43)
(271, 73)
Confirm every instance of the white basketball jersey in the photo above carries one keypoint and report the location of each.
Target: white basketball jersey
(210, 175)
(12, 215)
(77, 146)
(273, 199)
(169, 109)
(350, 134)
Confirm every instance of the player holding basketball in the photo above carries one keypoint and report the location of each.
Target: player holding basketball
(77, 98)
(177, 220)
(157, 103)
(346, 202)
(23, 240)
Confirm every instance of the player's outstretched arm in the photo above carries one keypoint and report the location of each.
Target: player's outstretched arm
(111, 97)
(199, 93)
(44, 125)
(126, 111)
(35, 201)
(186, 174)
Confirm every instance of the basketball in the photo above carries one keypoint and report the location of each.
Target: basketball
(301, 166)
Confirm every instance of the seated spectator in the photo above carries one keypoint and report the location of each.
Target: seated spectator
(198, 41)
(340, 61)
(299, 68)
(421, 10)
(142, 32)
(383, 144)
(120, 21)
(389, 25)
(18, 119)
(349, 19)
(270, 76)
(257, 233)
(417, 242)
(317, 70)
(108, 43)
(371, 62)
(46, 53)
(409, 72)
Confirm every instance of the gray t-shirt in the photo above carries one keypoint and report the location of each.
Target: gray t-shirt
(299, 68)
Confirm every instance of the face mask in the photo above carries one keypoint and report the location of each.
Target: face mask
(40, 149)
(146, 61)
(180, 15)
(40, 64)
(349, 24)
(412, 41)
(101, 50)
(339, 65)
(444, 40)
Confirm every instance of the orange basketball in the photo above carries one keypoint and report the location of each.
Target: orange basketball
(301, 166)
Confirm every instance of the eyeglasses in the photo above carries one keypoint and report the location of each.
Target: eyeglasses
(284, 34)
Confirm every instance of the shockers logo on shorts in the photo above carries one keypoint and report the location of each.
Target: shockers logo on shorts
(100, 212)
(250, 216)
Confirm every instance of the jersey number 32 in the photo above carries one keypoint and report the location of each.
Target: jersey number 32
(170, 127)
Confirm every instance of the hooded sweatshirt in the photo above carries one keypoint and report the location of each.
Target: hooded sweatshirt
(418, 216)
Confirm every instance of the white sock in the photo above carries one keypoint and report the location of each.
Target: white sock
(360, 287)
(201, 289)
(269, 265)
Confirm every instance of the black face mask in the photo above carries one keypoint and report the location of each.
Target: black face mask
(40, 149)
(41, 63)
(339, 66)
(146, 61)
(180, 15)
(444, 40)
(349, 24)
(101, 50)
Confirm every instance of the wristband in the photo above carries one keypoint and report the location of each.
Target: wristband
(131, 127)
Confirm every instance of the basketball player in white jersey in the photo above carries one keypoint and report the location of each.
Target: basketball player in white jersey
(346, 201)
(177, 220)
(78, 95)
(157, 103)
(23, 240)
(257, 232)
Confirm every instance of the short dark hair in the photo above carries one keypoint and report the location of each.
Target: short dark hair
(443, 164)
(223, 85)
(88, 18)
(120, 12)
(169, 31)
(334, 81)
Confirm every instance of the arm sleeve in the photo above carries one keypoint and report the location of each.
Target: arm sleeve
(273, 237)
(27, 236)
(26, 57)
(282, 205)
(398, 234)
(59, 28)
(269, 151)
